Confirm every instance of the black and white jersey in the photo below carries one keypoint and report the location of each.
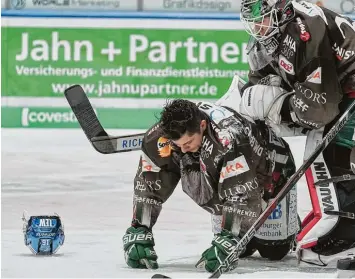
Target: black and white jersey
(316, 59)
(235, 168)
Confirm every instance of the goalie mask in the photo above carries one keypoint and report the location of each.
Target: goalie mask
(262, 20)
(43, 234)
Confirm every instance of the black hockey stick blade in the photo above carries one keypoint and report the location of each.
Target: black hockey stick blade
(84, 112)
(234, 255)
(86, 116)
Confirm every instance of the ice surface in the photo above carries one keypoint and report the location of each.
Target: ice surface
(46, 171)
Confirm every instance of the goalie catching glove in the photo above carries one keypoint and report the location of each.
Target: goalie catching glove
(222, 245)
(138, 244)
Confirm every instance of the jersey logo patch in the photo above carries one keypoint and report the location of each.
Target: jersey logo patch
(148, 165)
(233, 168)
(286, 65)
(315, 76)
(305, 36)
(164, 147)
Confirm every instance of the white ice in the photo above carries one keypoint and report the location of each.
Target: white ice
(46, 171)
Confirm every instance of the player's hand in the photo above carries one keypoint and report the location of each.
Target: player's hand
(138, 244)
(222, 245)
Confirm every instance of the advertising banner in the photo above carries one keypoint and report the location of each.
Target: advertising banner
(96, 5)
(123, 66)
(217, 6)
(48, 117)
(121, 62)
(339, 6)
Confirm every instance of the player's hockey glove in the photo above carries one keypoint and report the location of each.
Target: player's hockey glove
(138, 244)
(222, 245)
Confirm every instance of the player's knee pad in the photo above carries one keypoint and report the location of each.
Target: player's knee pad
(279, 231)
(250, 249)
(276, 250)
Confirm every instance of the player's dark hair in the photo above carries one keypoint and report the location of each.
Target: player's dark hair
(178, 117)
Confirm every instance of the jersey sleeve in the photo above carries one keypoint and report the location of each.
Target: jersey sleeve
(317, 89)
(155, 181)
(239, 189)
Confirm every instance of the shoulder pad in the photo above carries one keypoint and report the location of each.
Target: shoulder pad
(153, 132)
(214, 113)
(307, 9)
(156, 146)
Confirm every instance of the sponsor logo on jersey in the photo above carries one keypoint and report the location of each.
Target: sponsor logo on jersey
(305, 36)
(164, 147)
(299, 104)
(288, 47)
(207, 145)
(147, 164)
(234, 168)
(342, 53)
(309, 123)
(139, 199)
(286, 65)
(276, 214)
(144, 184)
(238, 211)
(315, 76)
(308, 9)
(254, 144)
(320, 98)
(290, 42)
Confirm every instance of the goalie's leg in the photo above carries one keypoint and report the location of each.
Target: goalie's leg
(331, 233)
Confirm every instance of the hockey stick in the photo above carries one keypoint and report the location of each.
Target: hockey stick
(106, 144)
(93, 129)
(234, 255)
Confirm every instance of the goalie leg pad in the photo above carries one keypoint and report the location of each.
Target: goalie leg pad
(329, 234)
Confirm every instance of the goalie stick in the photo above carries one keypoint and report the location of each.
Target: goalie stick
(100, 140)
(234, 255)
